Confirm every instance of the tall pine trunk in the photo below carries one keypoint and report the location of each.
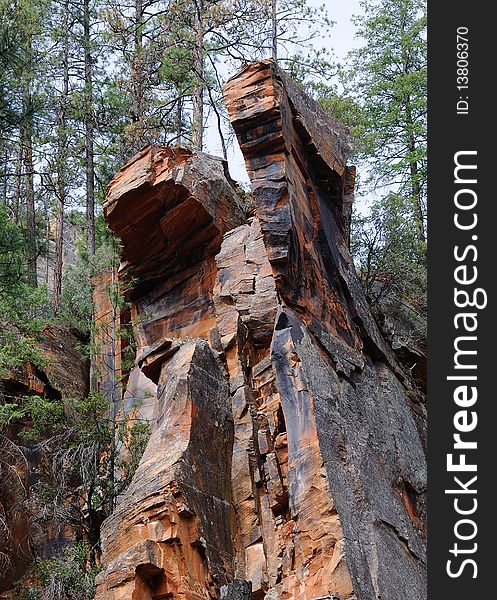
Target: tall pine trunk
(414, 173)
(137, 81)
(89, 132)
(29, 192)
(416, 193)
(59, 241)
(61, 192)
(198, 70)
(274, 29)
(179, 120)
(16, 199)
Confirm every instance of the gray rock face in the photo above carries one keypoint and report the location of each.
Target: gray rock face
(237, 590)
(374, 462)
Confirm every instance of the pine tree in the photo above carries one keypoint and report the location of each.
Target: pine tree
(89, 127)
(384, 103)
(391, 82)
(62, 143)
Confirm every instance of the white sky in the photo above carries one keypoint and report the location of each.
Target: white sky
(341, 41)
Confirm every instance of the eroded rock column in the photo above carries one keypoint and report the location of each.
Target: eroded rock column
(340, 386)
(171, 533)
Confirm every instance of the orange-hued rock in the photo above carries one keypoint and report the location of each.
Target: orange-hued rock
(170, 208)
(286, 523)
(164, 538)
(286, 459)
(340, 388)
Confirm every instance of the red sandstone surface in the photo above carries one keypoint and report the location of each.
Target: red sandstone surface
(284, 443)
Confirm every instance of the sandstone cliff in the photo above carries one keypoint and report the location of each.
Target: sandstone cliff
(286, 458)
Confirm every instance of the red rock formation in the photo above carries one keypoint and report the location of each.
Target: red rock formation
(164, 539)
(332, 364)
(286, 437)
(288, 537)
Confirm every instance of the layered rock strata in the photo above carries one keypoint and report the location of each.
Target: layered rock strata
(286, 458)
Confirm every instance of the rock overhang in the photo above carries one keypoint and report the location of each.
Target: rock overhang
(170, 207)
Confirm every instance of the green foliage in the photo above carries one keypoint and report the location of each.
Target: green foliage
(389, 253)
(384, 97)
(76, 300)
(23, 309)
(23, 313)
(128, 351)
(19, 22)
(176, 66)
(12, 253)
(47, 417)
(80, 477)
(76, 308)
(111, 109)
(134, 439)
(9, 413)
(390, 78)
(245, 196)
(26, 308)
(69, 576)
(16, 348)
(11, 57)
(383, 101)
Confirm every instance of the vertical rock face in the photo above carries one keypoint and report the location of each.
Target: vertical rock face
(332, 365)
(286, 458)
(171, 533)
